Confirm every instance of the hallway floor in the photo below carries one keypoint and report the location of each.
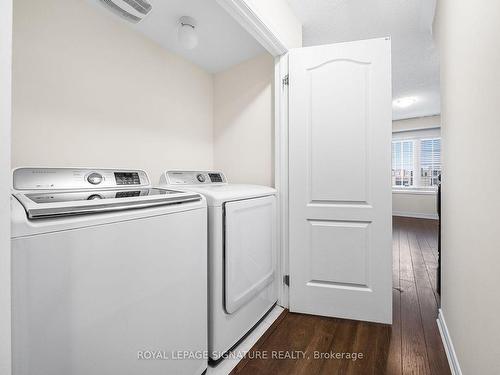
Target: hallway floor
(411, 346)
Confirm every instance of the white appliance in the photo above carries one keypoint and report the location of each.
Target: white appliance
(108, 274)
(241, 254)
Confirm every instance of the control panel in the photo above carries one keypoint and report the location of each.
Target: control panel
(193, 178)
(127, 178)
(81, 178)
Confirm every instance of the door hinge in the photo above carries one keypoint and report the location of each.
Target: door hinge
(286, 280)
(285, 80)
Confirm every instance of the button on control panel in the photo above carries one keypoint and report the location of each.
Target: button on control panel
(94, 178)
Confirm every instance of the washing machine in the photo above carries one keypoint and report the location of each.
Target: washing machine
(242, 237)
(109, 275)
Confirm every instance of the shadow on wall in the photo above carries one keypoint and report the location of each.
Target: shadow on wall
(102, 94)
(244, 121)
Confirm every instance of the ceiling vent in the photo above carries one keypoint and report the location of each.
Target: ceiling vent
(131, 10)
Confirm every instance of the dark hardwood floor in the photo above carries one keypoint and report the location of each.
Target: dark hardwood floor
(412, 345)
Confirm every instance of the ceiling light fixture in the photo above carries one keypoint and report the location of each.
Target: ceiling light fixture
(404, 102)
(187, 36)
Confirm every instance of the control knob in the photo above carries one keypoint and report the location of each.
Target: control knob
(94, 178)
(200, 177)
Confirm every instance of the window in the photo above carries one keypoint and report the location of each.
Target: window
(416, 163)
(402, 163)
(430, 161)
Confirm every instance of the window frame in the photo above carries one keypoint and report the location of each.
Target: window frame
(420, 141)
(416, 188)
(413, 163)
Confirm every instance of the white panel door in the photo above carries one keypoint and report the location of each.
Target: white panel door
(340, 121)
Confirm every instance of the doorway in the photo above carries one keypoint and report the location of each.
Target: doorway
(411, 345)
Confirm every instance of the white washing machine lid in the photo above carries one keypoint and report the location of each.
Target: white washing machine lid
(53, 192)
(218, 194)
(68, 203)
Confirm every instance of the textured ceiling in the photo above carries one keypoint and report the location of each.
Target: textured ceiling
(415, 63)
(222, 41)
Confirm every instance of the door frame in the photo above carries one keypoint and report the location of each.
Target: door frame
(281, 172)
(5, 173)
(256, 26)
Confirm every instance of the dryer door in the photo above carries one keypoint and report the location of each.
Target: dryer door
(250, 249)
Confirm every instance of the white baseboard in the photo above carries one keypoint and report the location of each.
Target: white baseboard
(448, 345)
(416, 215)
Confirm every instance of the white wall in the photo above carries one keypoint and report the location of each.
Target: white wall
(243, 121)
(416, 123)
(5, 127)
(90, 91)
(415, 204)
(279, 17)
(469, 36)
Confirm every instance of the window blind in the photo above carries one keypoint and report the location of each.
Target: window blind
(430, 161)
(416, 163)
(402, 163)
